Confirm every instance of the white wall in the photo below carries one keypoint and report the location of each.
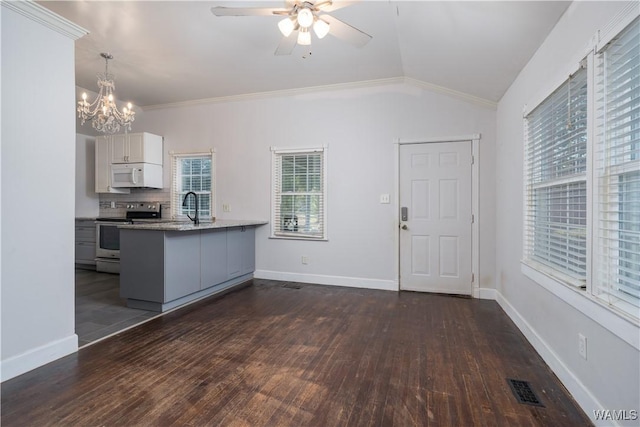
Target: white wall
(610, 377)
(359, 125)
(87, 200)
(38, 168)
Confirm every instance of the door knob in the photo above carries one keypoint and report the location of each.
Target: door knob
(404, 227)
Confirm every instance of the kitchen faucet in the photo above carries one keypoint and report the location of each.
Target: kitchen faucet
(195, 219)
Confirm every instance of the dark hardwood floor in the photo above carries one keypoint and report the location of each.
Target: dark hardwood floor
(273, 355)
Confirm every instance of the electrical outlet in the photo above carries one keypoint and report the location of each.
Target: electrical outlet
(384, 198)
(113, 205)
(226, 207)
(582, 346)
(305, 259)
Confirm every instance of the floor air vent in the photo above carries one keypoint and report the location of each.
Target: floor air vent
(291, 286)
(524, 393)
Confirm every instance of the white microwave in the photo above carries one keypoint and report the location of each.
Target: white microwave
(132, 175)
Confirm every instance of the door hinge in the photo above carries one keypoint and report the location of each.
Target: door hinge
(473, 277)
(473, 160)
(473, 218)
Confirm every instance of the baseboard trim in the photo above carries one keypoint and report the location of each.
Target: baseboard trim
(484, 293)
(39, 356)
(580, 393)
(320, 279)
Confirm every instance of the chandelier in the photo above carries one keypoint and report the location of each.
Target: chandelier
(103, 112)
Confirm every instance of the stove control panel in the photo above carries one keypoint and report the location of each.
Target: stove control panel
(144, 207)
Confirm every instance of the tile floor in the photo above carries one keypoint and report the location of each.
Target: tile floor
(99, 309)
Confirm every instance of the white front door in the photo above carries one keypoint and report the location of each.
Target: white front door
(435, 217)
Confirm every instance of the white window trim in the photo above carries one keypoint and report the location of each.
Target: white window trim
(174, 156)
(625, 17)
(275, 151)
(610, 316)
(558, 275)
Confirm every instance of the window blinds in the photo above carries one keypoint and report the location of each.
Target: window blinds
(618, 170)
(192, 172)
(299, 195)
(556, 189)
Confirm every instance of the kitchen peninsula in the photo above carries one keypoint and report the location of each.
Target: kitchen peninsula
(164, 265)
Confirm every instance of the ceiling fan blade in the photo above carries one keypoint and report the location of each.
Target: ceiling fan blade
(346, 32)
(331, 5)
(287, 44)
(246, 11)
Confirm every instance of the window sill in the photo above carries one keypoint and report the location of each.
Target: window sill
(618, 323)
(307, 239)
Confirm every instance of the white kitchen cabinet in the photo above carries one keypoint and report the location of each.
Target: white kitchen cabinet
(136, 148)
(119, 148)
(104, 148)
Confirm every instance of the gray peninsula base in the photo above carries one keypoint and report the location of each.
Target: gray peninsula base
(163, 269)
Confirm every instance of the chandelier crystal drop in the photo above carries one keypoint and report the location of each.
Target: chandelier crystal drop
(103, 112)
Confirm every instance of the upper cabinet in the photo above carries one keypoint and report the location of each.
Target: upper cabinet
(103, 166)
(136, 148)
(124, 148)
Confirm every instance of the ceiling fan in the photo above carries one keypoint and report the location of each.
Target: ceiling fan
(299, 18)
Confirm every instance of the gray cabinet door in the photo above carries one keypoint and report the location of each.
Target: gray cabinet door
(182, 264)
(234, 252)
(141, 265)
(248, 250)
(213, 261)
(241, 251)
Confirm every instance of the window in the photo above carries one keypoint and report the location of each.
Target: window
(556, 153)
(572, 172)
(192, 172)
(618, 170)
(299, 194)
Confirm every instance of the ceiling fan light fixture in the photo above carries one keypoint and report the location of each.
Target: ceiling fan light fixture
(286, 26)
(321, 28)
(305, 18)
(304, 37)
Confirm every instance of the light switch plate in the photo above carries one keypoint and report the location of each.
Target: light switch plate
(384, 198)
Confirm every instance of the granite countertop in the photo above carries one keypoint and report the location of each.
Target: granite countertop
(85, 218)
(189, 226)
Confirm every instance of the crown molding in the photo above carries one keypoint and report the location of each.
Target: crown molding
(44, 16)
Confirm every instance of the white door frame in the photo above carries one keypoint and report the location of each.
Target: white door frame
(474, 139)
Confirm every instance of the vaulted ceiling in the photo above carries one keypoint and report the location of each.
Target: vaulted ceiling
(177, 51)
